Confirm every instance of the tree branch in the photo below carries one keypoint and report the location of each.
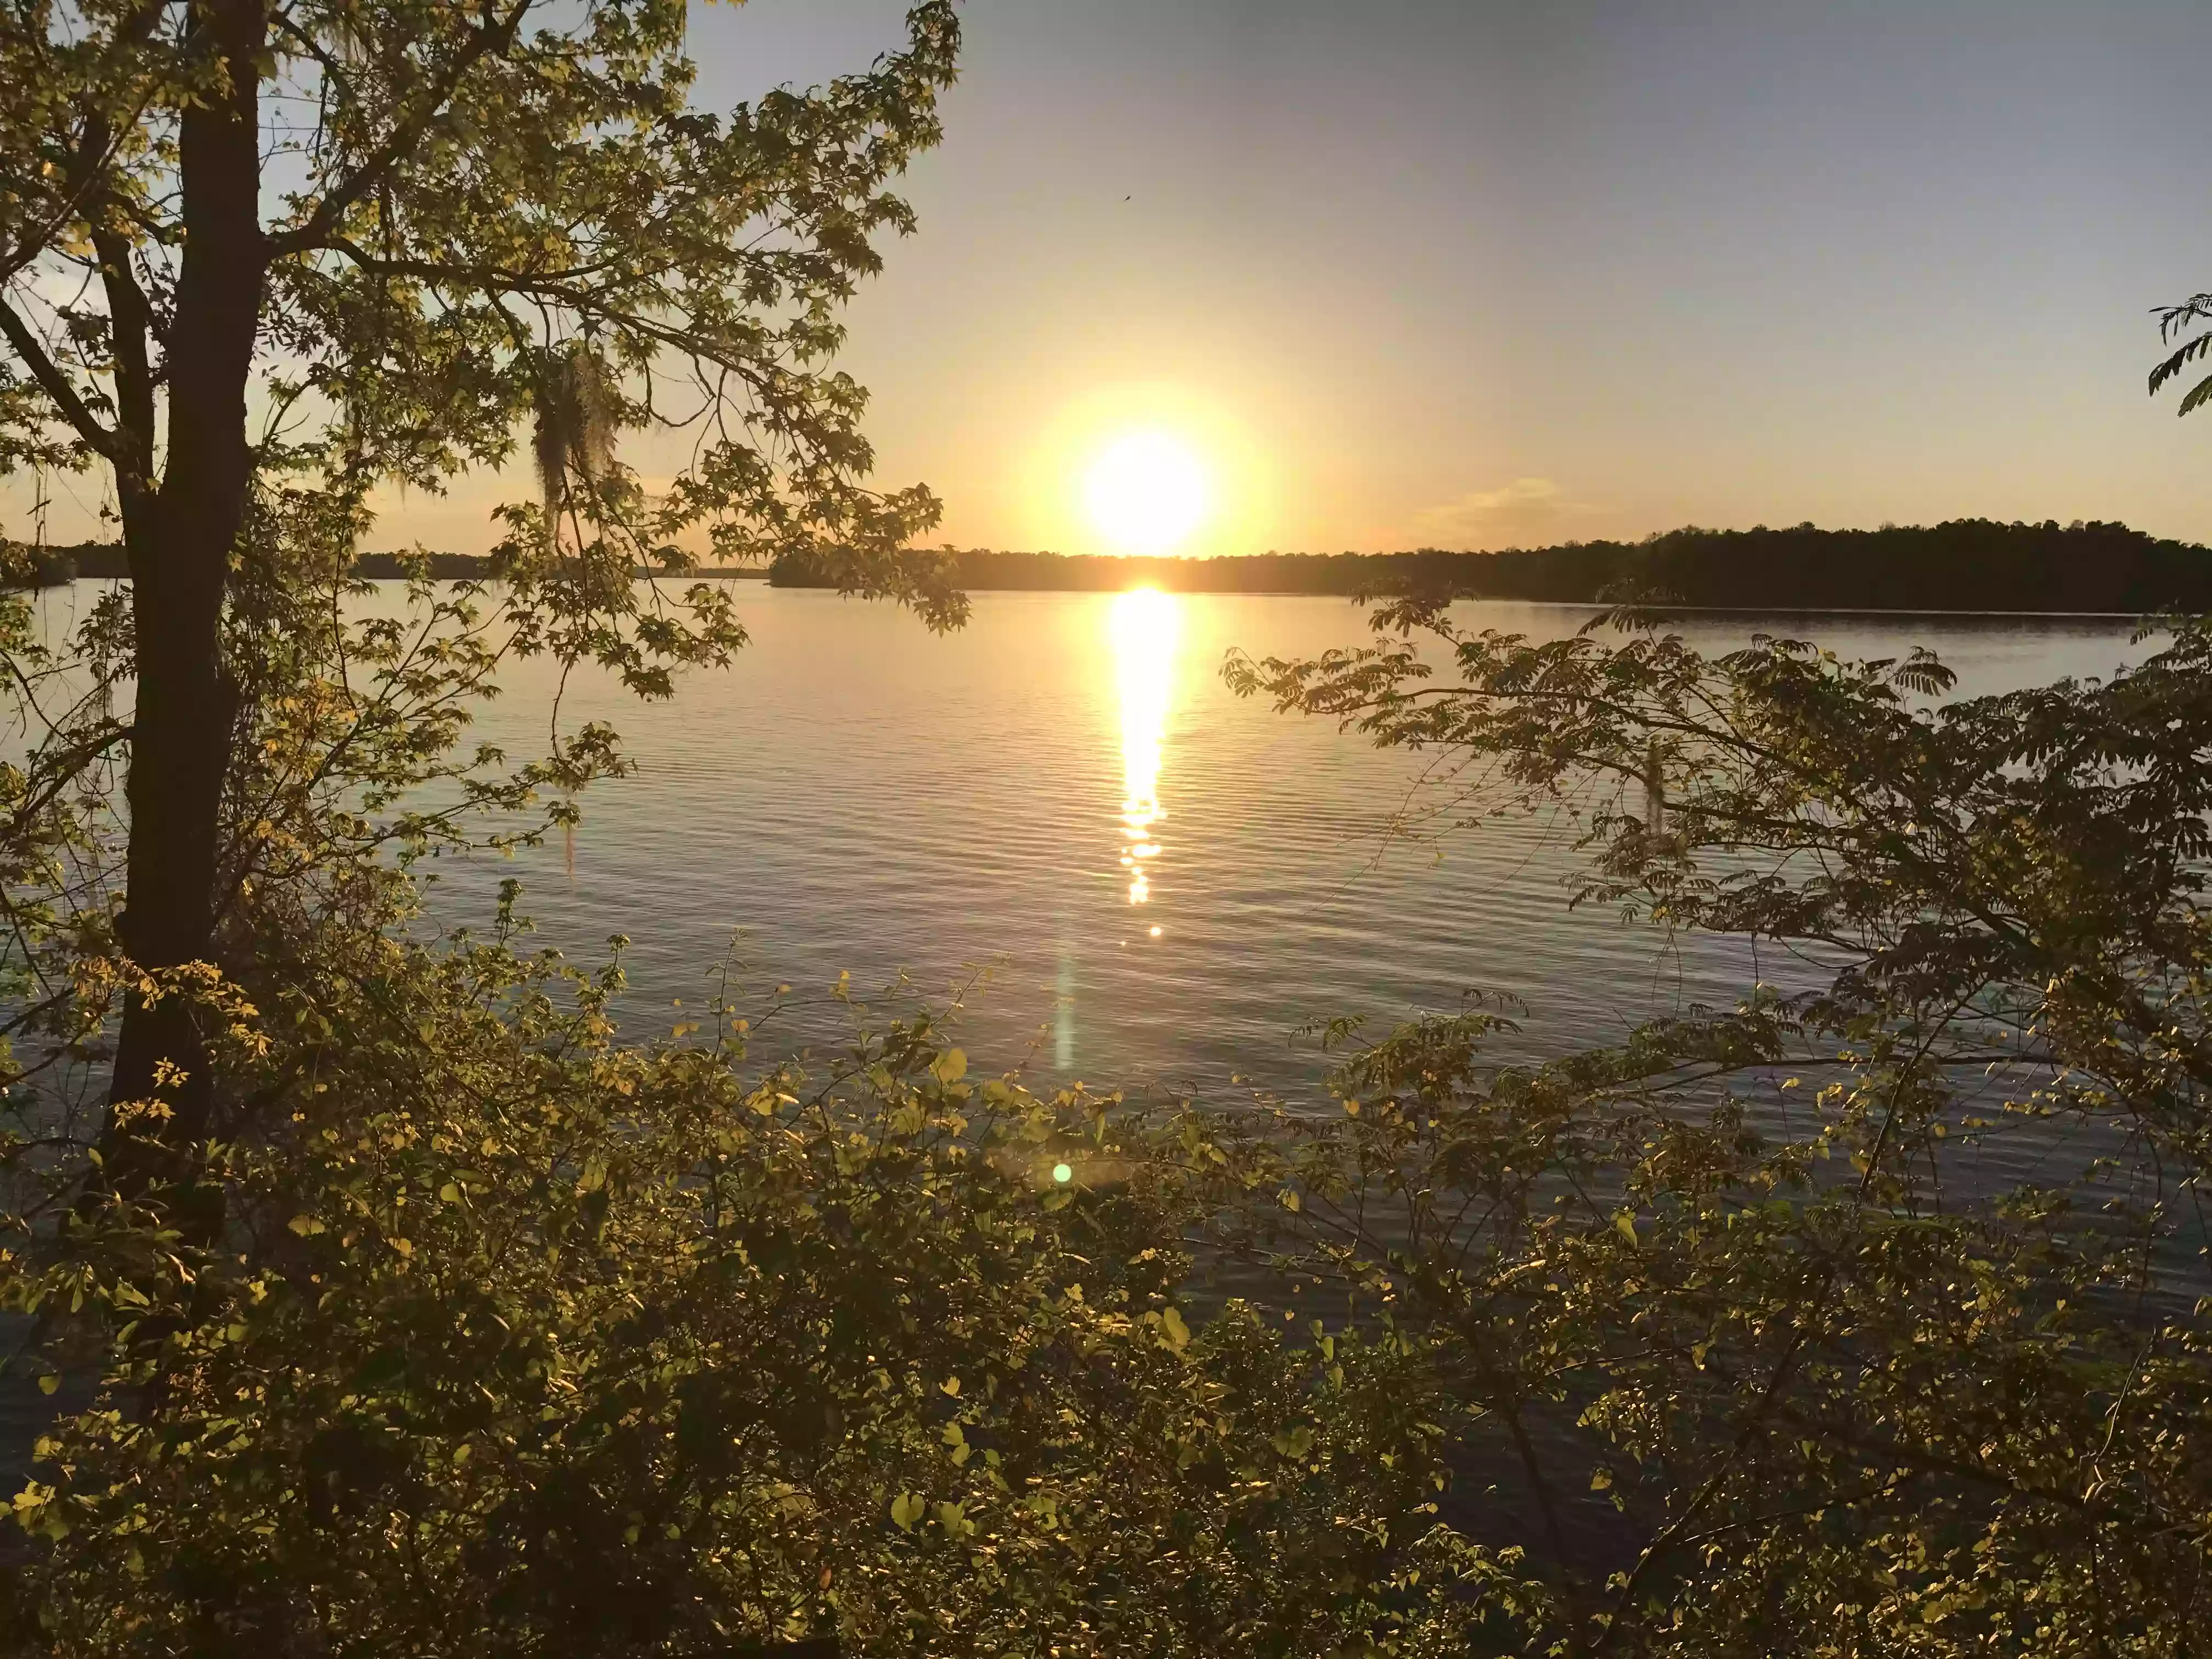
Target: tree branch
(56, 384)
(90, 159)
(130, 325)
(495, 34)
(556, 286)
(489, 279)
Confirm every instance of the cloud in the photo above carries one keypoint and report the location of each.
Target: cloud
(1486, 515)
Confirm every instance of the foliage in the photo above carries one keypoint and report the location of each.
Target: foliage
(1867, 1317)
(526, 1341)
(2174, 323)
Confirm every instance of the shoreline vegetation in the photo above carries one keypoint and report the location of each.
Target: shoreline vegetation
(2093, 567)
(23, 565)
(1962, 564)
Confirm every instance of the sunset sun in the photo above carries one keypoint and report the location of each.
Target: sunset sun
(1145, 492)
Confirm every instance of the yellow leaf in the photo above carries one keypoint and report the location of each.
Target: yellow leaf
(48, 1384)
(1624, 1224)
(1172, 1327)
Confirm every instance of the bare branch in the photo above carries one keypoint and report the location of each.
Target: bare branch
(55, 385)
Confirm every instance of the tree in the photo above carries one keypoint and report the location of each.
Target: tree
(1868, 1316)
(261, 257)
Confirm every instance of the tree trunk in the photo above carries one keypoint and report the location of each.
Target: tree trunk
(179, 552)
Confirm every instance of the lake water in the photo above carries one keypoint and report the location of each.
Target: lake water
(1163, 882)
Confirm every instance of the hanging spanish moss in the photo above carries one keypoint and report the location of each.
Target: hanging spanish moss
(575, 436)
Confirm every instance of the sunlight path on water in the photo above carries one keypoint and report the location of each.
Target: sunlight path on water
(1146, 627)
(1038, 793)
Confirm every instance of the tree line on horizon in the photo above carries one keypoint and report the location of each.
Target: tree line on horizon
(23, 564)
(1962, 564)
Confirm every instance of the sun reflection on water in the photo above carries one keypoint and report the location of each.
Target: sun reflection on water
(1145, 624)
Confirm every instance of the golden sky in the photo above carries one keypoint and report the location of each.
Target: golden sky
(1477, 273)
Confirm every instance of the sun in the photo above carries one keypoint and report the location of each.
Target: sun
(1146, 492)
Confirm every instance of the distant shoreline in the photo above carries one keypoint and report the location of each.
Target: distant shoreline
(50, 567)
(1964, 567)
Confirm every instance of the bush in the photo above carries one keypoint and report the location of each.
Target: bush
(1867, 1317)
(521, 1341)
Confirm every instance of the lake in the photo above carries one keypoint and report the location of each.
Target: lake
(1162, 882)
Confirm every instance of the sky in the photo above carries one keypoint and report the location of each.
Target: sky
(1483, 274)
(1490, 273)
